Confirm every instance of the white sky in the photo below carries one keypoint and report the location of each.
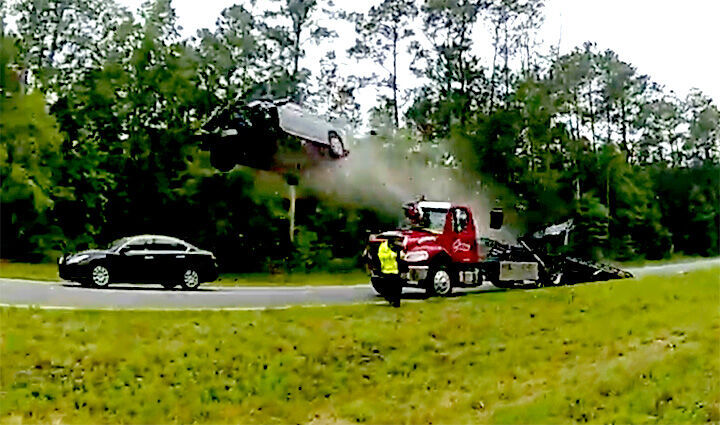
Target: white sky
(674, 42)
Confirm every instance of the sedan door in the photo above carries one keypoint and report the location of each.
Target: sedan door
(134, 262)
(295, 121)
(171, 258)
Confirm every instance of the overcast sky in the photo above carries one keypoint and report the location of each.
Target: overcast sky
(674, 42)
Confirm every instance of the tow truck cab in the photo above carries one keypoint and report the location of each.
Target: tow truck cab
(439, 242)
(439, 249)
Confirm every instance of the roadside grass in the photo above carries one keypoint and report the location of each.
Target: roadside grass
(33, 271)
(673, 259)
(48, 272)
(292, 279)
(625, 351)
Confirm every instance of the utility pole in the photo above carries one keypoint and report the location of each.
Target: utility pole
(292, 181)
(292, 213)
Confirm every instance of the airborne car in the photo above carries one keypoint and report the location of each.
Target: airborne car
(141, 259)
(300, 122)
(270, 134)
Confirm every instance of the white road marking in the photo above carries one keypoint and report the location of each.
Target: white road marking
(215, 287)
(38, 282)
(256, 308)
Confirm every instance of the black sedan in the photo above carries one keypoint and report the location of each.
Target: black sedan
(141, 259)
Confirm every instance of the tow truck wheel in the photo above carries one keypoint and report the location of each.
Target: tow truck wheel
(439, 282)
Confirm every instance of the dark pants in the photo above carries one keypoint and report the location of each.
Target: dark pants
(393, 293)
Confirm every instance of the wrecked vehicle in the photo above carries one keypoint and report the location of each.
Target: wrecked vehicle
(300, 122)
(265, 133)
(441, 250)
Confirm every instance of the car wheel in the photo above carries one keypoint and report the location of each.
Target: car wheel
(439, 281)
(190, 279)
(100, 276)
(337, 149)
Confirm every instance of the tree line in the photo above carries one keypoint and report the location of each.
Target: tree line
(100, 108)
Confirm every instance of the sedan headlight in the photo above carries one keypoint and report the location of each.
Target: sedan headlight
(79, 258)
(416, 256)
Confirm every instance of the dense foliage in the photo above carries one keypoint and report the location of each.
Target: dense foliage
(99, 109)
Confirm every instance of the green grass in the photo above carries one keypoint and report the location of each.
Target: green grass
(292, 279)
(622, 351)
(673, 259)
(49, 272)
(34, 271)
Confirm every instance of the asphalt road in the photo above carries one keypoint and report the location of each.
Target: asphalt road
(66, 295)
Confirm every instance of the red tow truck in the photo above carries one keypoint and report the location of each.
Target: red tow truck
(440, 249)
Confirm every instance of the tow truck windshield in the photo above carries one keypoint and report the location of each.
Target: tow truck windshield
(433, 220)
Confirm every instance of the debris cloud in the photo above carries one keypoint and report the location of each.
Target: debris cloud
(384, 174)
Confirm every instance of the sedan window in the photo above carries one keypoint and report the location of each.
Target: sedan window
(135, 246)
(167, 245)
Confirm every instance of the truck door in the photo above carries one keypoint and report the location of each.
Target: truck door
(464, 248)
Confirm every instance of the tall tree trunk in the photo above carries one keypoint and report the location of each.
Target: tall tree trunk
(494, 67)
(578, 116)
(592, 114)
(609, 123)
(623, 123)
(394, 79)
(527, 53)
(506, 69)
(296, 53)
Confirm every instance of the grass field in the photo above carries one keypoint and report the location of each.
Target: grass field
(623, 351)
(49, 272)
(34, 271)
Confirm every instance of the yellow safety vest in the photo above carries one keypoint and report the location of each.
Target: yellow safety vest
(388, 259)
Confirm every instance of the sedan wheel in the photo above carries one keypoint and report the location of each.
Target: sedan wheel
(336, 146)
(191, 280)
(100, 276)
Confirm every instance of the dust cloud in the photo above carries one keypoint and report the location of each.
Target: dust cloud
(385, 174)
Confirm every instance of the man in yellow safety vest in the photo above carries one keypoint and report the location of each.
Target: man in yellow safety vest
(389, 268)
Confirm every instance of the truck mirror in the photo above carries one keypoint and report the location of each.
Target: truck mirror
(496, 218)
